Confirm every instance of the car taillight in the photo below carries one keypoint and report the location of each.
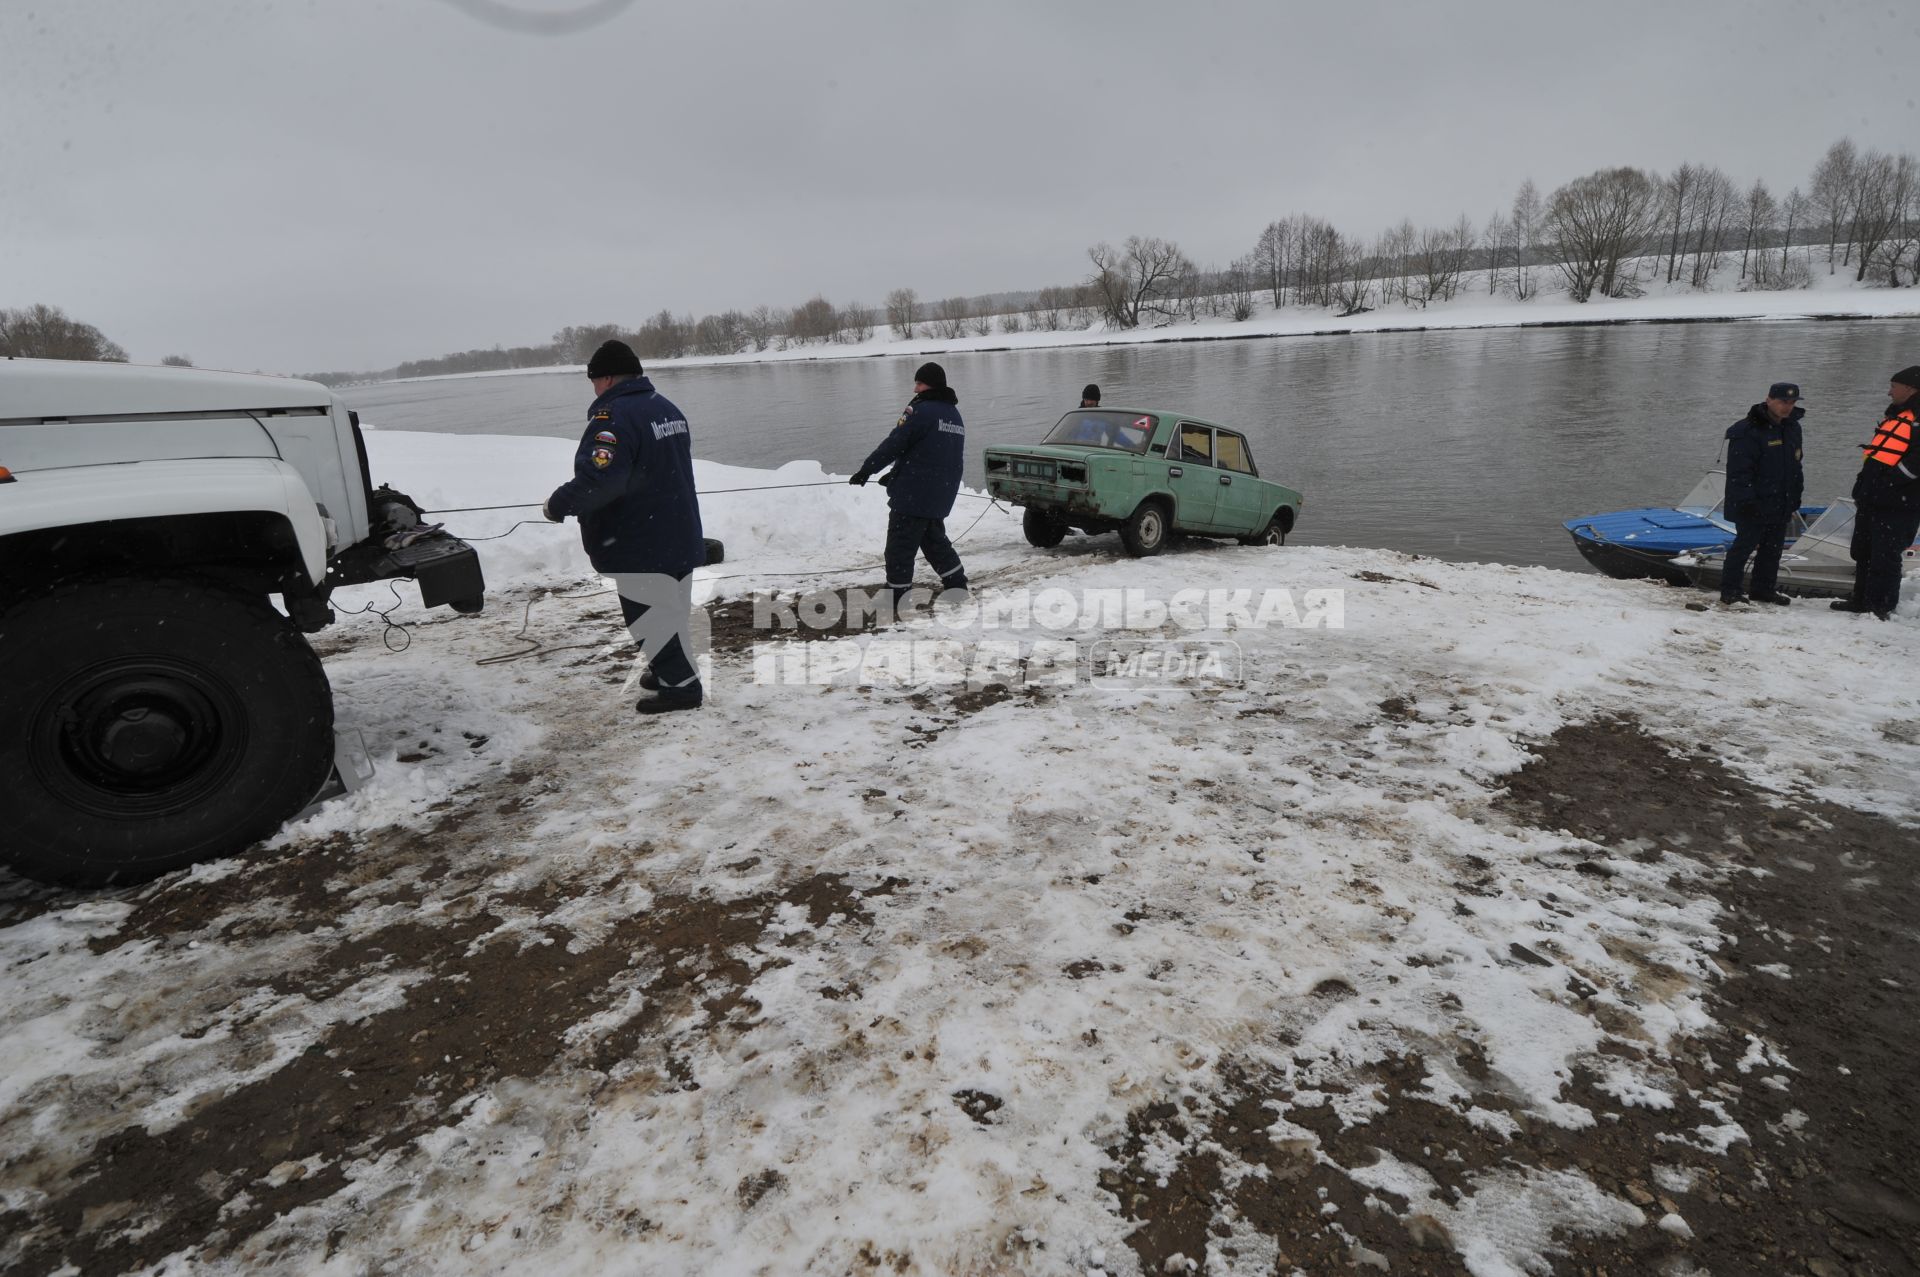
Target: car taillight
(1073, 474)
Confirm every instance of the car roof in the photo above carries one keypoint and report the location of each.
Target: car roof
(1163, 414)
(82, 388)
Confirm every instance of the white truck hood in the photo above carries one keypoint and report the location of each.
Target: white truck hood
(33, 389)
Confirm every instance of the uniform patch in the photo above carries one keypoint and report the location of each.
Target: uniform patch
(607, 437)
(602, 458)
(902, 421)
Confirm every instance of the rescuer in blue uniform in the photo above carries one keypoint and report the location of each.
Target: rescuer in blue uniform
(1764, 484)
(926, 450)
(632, 490)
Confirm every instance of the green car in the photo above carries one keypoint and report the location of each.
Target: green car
(1144, 475)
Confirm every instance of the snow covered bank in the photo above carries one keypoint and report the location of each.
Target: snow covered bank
(1834, 297)
(897, 979)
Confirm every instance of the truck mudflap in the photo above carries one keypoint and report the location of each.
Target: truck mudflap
(446, 569)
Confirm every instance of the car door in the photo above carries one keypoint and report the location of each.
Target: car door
(1191, 477)
(1243, 504)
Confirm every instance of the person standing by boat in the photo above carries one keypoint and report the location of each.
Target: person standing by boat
(1886, 499)
(1764, 484)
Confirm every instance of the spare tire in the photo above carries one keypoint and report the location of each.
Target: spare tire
(146, 724)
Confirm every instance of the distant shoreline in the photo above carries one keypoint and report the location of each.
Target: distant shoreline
(1900, 304)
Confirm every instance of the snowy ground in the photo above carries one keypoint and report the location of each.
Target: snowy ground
(865, 979)
(1829, 296)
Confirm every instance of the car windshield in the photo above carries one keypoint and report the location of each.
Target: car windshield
(1127, 431)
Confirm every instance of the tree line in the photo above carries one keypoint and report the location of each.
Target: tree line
(1612, 233)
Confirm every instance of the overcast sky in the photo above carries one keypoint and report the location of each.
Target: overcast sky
(299, 185)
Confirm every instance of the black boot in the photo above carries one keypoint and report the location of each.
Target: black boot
(1847, 605)
(669, 699)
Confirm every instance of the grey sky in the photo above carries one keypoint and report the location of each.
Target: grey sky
(298, 186)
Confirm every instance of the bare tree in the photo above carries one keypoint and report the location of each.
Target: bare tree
(1883, 201)
(1143, 276)
(981, 322)
(1354, 274)
(1239, 282)
(760, 327)
(815, 319)
(950, 315)
(901, 312)
(1830, 191)
(1526, 220)
(1595, 223)
(1013, 321)
(45, 332)
(723, 334)
(1759, 214)
(1676, 213)
(175, 361)
(1715, 206)
(1795, 207)
(855, 324)
(1497, 236)
(1272, 255)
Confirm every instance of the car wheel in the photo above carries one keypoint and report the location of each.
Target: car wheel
(149, 724)
(1145, 531)
(1275, 533)
(1041, 530)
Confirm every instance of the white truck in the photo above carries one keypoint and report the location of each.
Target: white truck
(156, 707)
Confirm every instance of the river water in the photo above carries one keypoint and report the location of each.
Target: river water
(1467, 445)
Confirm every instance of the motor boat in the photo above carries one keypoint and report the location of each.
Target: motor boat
(1632, 544)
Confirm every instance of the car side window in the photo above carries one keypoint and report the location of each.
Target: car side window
(1233, 452)
(1196, 444)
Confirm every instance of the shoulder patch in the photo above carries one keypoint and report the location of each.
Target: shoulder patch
(602, 415)
(902, 421)
(602, 458)
(607, 437)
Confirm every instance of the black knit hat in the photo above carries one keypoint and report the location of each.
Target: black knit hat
(1908, 377)
(931, 375)
(613, 359)
(1090, 391)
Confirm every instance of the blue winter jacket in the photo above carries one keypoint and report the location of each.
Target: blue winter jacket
(632, 485)
(1763, 460)
(926, 448)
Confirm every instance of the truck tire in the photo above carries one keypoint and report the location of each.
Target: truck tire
(147, 724)
(1042, 531)
(1145, 531)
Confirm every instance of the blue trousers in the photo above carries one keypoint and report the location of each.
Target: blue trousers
(909, 535)
(1759, 531)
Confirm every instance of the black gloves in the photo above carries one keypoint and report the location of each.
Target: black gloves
(859, 479)
(546, 508)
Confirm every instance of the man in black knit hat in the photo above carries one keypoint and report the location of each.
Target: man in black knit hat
(1886, 498)
(1090, 396)
(632, 490)
(926, 449)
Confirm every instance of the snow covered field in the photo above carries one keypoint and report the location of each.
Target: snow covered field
(1232, 978)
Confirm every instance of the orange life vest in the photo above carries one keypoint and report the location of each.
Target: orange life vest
(1893, 441)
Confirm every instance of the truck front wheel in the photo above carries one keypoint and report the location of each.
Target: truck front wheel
(148, 724)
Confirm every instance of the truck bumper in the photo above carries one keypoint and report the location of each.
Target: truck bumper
(446, 569)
